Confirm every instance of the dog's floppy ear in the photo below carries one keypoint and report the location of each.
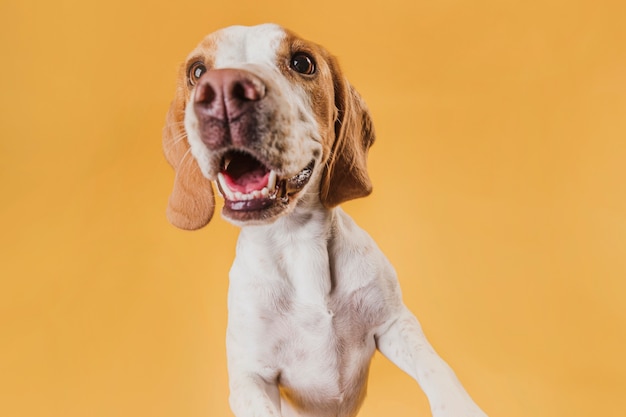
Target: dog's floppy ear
(192, 201)
(345, 175)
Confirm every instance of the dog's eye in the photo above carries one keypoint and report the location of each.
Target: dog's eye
(302, 63)
(195, 72)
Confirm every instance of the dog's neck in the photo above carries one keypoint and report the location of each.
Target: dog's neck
(309, 220)
(288, 243)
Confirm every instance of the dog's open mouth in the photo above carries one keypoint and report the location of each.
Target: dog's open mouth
(249, 185)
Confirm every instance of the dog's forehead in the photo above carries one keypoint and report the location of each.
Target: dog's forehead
(236, 45)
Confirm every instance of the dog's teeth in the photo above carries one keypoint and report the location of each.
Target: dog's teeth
(228, 193)
(239, 196)
(271, 182)
(226, 162)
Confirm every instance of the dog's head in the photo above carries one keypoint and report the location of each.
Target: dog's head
(270, 118)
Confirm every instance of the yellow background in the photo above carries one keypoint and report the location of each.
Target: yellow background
(500, 197)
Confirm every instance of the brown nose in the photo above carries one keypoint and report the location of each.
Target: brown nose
(226, 94)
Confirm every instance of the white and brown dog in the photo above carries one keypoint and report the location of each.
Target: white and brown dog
(269, 117)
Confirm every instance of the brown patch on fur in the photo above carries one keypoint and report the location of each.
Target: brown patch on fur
(346, 177)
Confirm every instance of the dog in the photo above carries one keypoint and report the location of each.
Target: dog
(269, 118)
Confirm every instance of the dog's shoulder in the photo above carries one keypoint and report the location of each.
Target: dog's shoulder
(357, 255)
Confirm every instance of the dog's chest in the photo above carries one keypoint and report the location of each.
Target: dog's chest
(331, 339)
(319, 353)
(303, 324)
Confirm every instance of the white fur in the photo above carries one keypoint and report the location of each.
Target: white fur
(311, 296)
(242, 44)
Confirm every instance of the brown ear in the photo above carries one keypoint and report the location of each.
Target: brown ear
(345, 176)
(192, 201)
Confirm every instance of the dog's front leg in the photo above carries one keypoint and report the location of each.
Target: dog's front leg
(403, 342)
(252, 396)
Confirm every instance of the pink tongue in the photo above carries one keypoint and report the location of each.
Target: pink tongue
(247, 182)
(245, 174)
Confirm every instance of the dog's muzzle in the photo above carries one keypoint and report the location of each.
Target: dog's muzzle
(227, 105)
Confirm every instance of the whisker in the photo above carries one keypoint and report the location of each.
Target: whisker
(185, 160)
(175, 124)
(175, 141)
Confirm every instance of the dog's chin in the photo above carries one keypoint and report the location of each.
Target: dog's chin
(255, 194)
(249, 217)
